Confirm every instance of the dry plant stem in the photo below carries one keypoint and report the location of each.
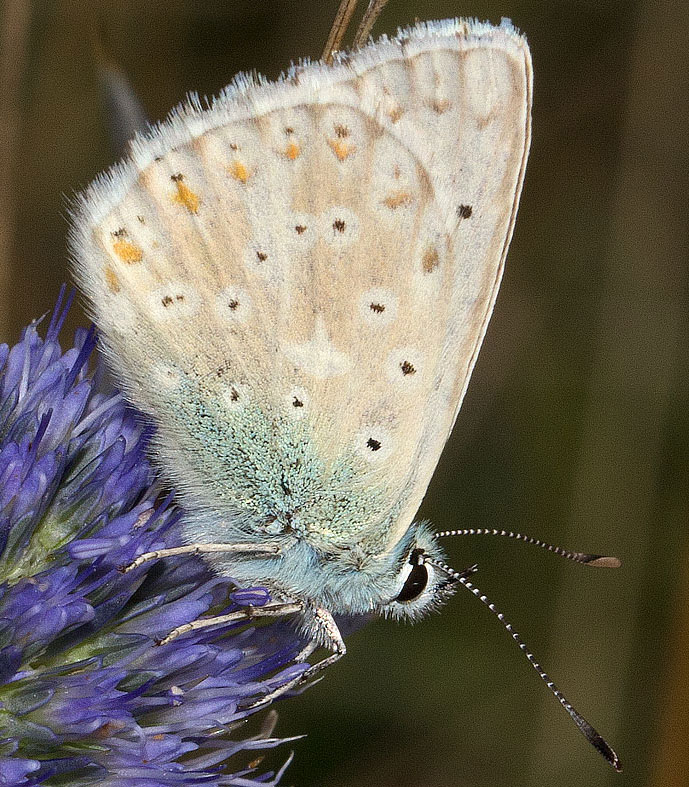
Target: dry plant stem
(339, 27)
(375, 7)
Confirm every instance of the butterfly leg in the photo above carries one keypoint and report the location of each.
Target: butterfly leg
(269, 610)
(325, 632)
(198, 549)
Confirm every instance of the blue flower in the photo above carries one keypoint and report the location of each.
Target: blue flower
(86, 694)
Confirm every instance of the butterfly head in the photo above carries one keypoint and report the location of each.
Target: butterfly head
(419, 585)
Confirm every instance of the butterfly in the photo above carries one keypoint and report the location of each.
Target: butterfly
(293, 283)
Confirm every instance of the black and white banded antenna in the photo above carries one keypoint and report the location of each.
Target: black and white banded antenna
(592, 736)
(600, 561)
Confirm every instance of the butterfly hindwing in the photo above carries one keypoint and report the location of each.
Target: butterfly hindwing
(295, 283)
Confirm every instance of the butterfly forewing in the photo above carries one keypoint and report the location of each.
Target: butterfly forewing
(295, 283)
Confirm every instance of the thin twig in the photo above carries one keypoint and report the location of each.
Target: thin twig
(369, 19)
(338, 29)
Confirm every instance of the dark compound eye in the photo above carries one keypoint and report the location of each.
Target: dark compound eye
(416, 582)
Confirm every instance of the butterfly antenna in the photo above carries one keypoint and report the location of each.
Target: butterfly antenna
(596, 740)
(375, 7)
(601, 561)
(339, 27)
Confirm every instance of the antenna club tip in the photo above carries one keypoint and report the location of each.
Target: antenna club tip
(607, 751)
(614, 760)
(604, 561)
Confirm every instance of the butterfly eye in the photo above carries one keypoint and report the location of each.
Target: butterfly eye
(415, 583)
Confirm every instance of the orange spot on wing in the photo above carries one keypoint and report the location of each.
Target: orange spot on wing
(439, 105)
(127, 252)
(341, 148)
(430, 260)
(395, 113)
(239, 171)
(111, 280)
(397, 199)
(292, 152)
(185, 196)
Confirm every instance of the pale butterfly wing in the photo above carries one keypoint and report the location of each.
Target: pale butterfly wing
(295, 282)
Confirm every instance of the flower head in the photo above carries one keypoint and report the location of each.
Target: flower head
(86, 694)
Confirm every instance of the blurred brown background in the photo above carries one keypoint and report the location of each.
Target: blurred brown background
(575, 425)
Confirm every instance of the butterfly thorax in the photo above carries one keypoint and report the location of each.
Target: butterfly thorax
(347, 580)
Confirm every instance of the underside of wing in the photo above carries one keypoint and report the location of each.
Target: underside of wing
(295, 282)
